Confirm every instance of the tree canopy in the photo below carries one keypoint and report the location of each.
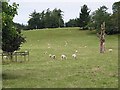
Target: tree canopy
(48, 19)
(84, 17)
(11, 36)
(54, 19)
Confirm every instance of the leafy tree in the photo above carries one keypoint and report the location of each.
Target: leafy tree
(48, 19)
(116, 17)
(101, 15)
(72, 23)
(0, 16)
(20, 26)
(116, 7)
(34, 22)
(61, 22)
(56, 17)
(84, 16)
(11, 37)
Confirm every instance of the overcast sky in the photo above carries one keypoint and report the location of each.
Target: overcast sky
(71, 8)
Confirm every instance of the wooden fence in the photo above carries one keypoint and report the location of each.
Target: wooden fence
(23, 54)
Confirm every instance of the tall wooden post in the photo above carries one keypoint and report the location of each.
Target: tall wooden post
(102, 38)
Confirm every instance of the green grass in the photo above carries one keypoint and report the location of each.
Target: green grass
(91, 69)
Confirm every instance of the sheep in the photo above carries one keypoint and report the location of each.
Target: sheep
(26, 51)
(74, 56)
(76, 51)
(110, 50)
(63, 57)
(45, 52)
(5, 57)
(53, 57)
(65, 43)
(49, 47)
(48, 44)
(50, 55)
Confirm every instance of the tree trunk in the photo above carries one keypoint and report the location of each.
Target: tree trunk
(11, 56)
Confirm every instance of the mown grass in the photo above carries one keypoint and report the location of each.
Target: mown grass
(91, 69)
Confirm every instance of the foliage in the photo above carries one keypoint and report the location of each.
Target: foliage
(48, 19)
(99, 16)
(84, 17)
(116, 17)
(11, 37)
(20, 26)
(72, 23)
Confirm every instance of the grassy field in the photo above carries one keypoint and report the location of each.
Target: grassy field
(91, 69)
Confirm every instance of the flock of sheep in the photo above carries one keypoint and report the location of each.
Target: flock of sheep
(64, 57)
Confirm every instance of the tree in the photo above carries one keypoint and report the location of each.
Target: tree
(84, 16)
(116, 17)
(56, 17)
(0, 16)
(101, 15)
(72, 23)
(48, 19)
(34, 21)
(20, 26)
(11, 37)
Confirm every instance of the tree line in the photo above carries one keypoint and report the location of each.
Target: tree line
(54, 19)
(95, 19)
(46, 19)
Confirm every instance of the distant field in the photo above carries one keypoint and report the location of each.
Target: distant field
(91, 69)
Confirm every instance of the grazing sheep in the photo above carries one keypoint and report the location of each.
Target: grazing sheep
(50, 55)
(76, 51)
(48, 44)
(49, 47)
(74, 56)
(63, 57)
(53, 57)
(110, 50)
(65, 43)
(26, 51)
(45, 52)
(5, 57)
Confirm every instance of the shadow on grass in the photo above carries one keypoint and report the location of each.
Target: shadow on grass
(6, 76)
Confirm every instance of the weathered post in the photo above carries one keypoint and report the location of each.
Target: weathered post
(102, 38)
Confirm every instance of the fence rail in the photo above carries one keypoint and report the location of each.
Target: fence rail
(15, 55)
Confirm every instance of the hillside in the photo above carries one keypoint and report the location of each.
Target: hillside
(91, 69)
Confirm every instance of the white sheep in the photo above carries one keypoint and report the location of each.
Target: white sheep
(50, 55)
(76, 51)
(26, 51)
(45, 52)
(49, 47)
(53, 57)
(63, 57)
(48, 44)
(5, 57)
(110, 50)
(74, 56)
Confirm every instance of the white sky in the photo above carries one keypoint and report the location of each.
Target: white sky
(71, 8)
